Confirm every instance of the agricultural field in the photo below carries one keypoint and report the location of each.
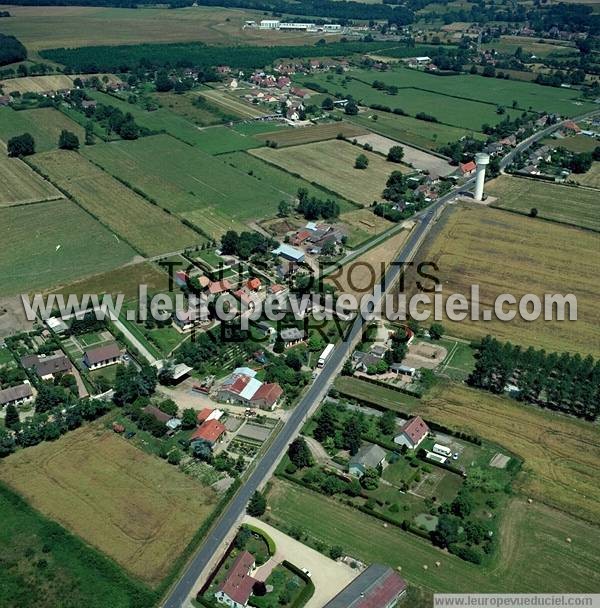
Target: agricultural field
(69, 244)
(575, 143)
(363, 224)
(203, 115)
(500, 252)
(509, 44)
(220, 140)
(307, 135)
(60, 569)
(45, 28)
(331, 165)
(561, 203)
(232, 104)
(138, 510)
(43, 84)
(145, 226)
(427, 135)
(44, 124)
(203, 189)
(527, 531)
(591, 178)
(455, 111)
(20, 184)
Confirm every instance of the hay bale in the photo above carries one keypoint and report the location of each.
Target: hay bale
(438, 564)
(529, 501)
(568, 539)
(425, 567)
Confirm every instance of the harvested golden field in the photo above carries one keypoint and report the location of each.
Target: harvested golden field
(136, 508)
(561, 455)
(591, 178)
(20, 184)
(359, 276)
(331, 164)
(145, 226)
(45, 84)
(507, 253)
(306, 135)
(363, 224)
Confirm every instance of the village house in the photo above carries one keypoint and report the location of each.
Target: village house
(217, 287)
(16, 395)
(253, 284)
(242, 387)
(236, 589)
(412, 433)
(467, 168)
(370, 456)
(46, 366)
(292, 336)
(209, 431)
(101, 356)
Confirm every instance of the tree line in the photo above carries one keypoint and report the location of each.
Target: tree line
(563, 382)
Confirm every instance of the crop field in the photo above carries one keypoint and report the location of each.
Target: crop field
(331, 165)
(20, 184)
(509, 44)
(490, 90)
(505, 252)
(43, 84)
(182, 104)
(591, 178)
(60, 569)
(232, 104)
(527, 530)
(145, 226)
(138, 510)
(69, 244)
(465, 113)
(428, 135)
(43, 28)
(307, 135)
(363, 224)
(44, 124)
(562, 203)
(199, 187)
(220, 140)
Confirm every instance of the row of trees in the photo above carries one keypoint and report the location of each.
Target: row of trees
(564, 382)
(313, 208)
(245, 244)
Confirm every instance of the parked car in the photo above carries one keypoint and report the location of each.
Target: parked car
(455, 456)
(129, 434)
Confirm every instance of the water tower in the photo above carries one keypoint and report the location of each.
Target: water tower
(482, 161)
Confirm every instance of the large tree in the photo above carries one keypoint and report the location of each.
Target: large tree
(68, 140)
(21, 145)
(299, 453)
(257, 505)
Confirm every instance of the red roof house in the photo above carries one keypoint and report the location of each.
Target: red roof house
(569, 125)
(300, 237)
(412, 433)
(215, 287)
(467, 168)
(253, 284)
(209, 431)
(276, 288)
(204, 414)
(236, 589)
(267, 395)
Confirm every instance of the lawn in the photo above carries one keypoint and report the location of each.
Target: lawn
(46, 566)
(20, 184)
(505, 252)
(44, 124)
(310, 134)
(331, 165)
(529, 533)
(145, 226)
(428, 135)
(553, 201)
(185, 180)
(69, 244)
(137, 509)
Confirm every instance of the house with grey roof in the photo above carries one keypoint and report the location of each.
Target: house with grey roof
(16, 395)
(370, 456)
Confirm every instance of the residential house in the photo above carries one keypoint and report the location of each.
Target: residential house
(209, 431)
(236, 589)
(571, 126)
(16, 395)
(467, 168)
(412, 433)
(292, 336)
(46, 366)
(253, 284)
(101, 356)
(89, 103)
(267, 396)
(157, 414)
(376, 587)
(363, 361)
(510, 141)
(244, 388)
(370, 456)
(300, 237)
(217, 287)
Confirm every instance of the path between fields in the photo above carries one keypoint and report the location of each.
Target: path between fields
(329, 577)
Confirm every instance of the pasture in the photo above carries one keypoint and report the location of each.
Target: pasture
(527, 531)
(135, 508)
(185, 180)
(310, 134)
(428, 135)
(591, 178)
(508, 253)
(146, 227)
(561, 203)
(67, 244)
(60, 569)
(20, 184)
(331, 165)
(44, 124)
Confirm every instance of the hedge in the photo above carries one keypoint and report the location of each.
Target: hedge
(308, 590)
(270, 542)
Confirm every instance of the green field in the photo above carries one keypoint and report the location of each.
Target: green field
(20, 184)
(320, 132)
(220, 140)
(44, 124)
(561, 203)
(534, 556)
(465, 113)
(509, 44)
(428, 135)
(466, 87)
(182, 104)
(575, 143)
(199, 187)
(45, 566)
(145, 226)
(84, 246)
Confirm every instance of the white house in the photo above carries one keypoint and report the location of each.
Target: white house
(412, 433)
(101, 356)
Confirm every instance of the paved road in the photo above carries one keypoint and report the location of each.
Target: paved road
(313, 396)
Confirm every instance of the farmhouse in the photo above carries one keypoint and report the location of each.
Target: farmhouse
(46, 366)
(210, 431)
(16, 395)
(289, 253)
(101, 356)
(236, 589)
(412, 433)
(377, 587)
(242, 387)
(368, 457)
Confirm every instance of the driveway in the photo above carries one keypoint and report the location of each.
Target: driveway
(329, 577)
